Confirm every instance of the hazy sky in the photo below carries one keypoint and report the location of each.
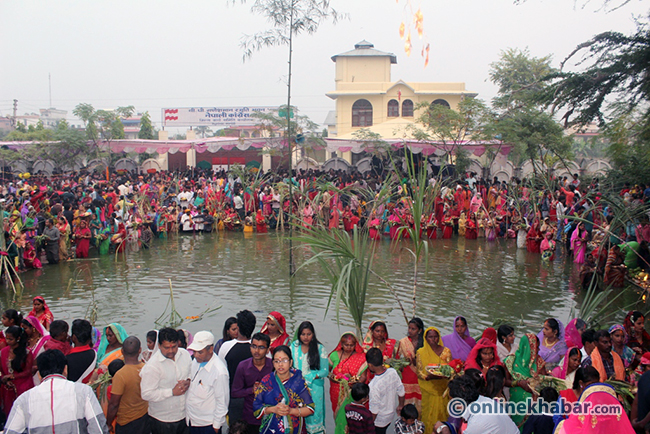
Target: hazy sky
(164, 53)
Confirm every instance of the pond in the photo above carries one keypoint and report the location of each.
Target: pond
(481, 280)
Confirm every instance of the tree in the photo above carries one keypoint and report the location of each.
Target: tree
(617, 70)
(104, 124)
(519, 78)
(521, 119)
(304, 131)
(146, 127)
(451, 128)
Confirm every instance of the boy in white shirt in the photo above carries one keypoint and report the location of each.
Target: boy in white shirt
(386, 391)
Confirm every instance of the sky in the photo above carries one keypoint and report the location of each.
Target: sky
(169, 53)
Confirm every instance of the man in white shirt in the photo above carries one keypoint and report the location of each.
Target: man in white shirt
(386, 391)
(184, 198)
(207, 399)
(57, 404)
(477, 423)
(187, 224)
(165, 379)
(238, 203)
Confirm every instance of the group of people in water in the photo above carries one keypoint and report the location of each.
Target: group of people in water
(55, 219)
(570, 363)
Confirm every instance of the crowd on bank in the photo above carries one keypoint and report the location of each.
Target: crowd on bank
(58, 218)
(269, 381)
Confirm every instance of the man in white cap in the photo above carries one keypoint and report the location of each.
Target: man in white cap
(209, 393)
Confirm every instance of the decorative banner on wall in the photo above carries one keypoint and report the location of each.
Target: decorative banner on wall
(213, 116)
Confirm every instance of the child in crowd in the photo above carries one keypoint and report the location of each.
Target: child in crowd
(542, 423)
(357, 415)
(152, 337)
(409, 423)
(386, 391)
(59, 337)
(239, 427)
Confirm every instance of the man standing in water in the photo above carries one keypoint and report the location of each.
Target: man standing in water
(209, 392)
(165, 379)
(249, 373)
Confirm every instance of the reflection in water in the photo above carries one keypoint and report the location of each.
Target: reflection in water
(483, 281)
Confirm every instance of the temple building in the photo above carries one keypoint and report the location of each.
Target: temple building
(366, 96)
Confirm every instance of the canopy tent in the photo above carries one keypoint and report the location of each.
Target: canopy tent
(426, 148)
(215, 144)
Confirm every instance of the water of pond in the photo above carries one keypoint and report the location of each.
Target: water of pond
(480, 280)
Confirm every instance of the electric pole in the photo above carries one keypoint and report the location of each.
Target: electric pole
(13, 119)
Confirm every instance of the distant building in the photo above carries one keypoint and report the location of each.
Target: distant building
(51, 117)
(131, 127)
(5, 125)
(366, 97)
(27, 120)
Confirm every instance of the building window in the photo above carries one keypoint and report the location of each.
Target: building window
(441, 102)
(407, 108)
(393, 108)
(362, 113)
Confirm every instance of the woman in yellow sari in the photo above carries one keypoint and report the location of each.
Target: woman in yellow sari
(64, 240)
(432, 353)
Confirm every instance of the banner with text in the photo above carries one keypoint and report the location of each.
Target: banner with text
(223, 117)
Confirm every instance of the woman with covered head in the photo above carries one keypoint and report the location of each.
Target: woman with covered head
(348, 366)
(524, 366)
(483, 356)
(276, 326)
(432, 354)
(459, 342)
(110, 345)
(637, 337)
(41, 312)
(377, 337)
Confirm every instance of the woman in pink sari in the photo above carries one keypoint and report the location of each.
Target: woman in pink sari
(567, 370)
(597, 394)
(16, 363)
(579, 244)
(573, 333)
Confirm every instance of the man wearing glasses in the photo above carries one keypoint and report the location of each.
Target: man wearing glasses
(248, 375)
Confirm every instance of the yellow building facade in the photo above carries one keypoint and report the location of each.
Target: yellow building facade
(366, 96)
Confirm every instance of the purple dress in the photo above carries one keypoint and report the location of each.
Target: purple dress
(460, 346)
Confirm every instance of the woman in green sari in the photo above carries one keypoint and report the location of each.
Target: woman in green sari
(525, 366)
(347, 366)
(110, 345)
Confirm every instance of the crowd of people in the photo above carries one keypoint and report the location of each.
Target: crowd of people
(58, 218)
(271, 381)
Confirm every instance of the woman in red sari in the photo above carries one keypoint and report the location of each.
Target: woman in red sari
(41, 312)
(534, 237)
(16, 363)
(347, 366)
(276, 327)
(471, 228)
(407, 349)
(260, 222)
(377, 337)
(483, 356)
(82, 239)
(447, 226)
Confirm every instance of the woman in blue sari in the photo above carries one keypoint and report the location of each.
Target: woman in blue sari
(282, 399)
(311, 359)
